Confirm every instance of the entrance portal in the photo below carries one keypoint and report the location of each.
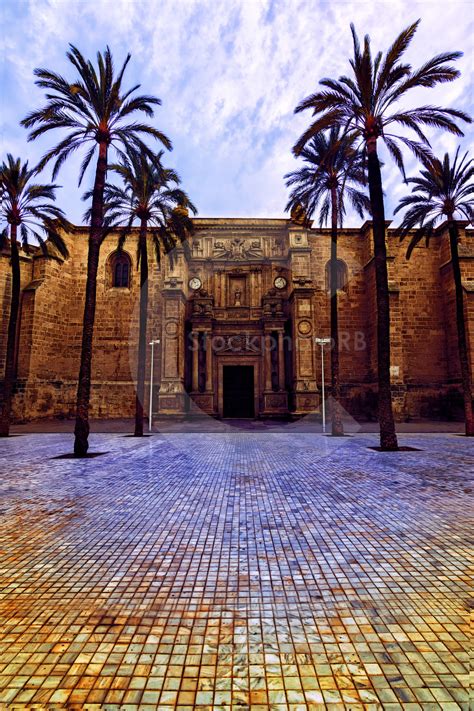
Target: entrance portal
(238, 391)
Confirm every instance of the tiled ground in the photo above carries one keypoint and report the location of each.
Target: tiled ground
(283, 571)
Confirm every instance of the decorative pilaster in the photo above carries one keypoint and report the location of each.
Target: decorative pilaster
(202, 356)
(208, 346)
(268, 363)
(281, 362)
(195, 359)
(305, 396)
(275, 397)
(172, 395)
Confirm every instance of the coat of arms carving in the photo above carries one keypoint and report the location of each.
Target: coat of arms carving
(238, 249)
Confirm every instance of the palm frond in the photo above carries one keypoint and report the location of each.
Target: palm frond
(93, 106)
(30, 206)
(443, 191)
(363, 102)
(148, 191)
(331, 162)
(394, 54)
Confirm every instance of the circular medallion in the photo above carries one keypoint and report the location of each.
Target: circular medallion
(304, 327)
(195, 283)
(171, 328)
(280, 282)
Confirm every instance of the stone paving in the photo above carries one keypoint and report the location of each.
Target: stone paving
(252, 571)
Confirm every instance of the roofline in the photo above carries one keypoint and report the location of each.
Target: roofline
(274, 223)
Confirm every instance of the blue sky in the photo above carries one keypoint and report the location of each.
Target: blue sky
(229, 74)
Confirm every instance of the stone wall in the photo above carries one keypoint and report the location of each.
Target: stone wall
(425, 361)
(51, 329)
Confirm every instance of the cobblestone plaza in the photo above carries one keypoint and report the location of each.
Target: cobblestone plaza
(235, 570)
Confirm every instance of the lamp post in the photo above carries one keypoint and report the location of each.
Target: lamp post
(150, 413)
(323, 342)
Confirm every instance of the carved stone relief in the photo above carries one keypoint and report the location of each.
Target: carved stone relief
(237, 342)
(175, 387)
(278, 247)
(237, 249)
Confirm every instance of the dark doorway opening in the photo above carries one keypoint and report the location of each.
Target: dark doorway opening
(238, 391)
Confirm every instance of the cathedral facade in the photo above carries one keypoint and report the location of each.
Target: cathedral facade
(234, 319)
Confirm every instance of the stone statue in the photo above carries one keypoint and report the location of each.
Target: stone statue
(237, 297)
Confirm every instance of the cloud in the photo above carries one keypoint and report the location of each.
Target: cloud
(229, 74)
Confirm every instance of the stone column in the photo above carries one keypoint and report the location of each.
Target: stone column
(253, 301)
(258, 285)
(195, 365)
(223, 303)
(268, 363)
(208, 343)
(202, 400)
(275, 404)
(219, 289)
(281, 362)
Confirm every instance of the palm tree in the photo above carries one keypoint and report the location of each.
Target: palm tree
(333, 170)
(26, 208)
(96, 111)
(444, 191)
(150, 197)
(366, 104)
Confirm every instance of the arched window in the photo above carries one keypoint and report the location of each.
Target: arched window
(120, 270)
(341, 276)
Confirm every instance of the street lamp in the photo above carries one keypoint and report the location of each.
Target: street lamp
(323, 342)
(150, 414)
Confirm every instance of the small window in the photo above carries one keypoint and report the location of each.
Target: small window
(341, 276)
(120, 269)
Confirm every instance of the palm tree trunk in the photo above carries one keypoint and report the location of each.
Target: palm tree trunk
(81, 430)
(461, 327)
(142, 335)
(388, 437)
(11, 338)
(337, 429)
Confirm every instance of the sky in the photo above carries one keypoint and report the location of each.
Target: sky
(229, 74)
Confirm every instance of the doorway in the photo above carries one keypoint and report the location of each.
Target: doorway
(238, 388)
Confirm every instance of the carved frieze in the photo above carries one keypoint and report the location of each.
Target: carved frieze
(197, 249)
(237, 342)
(171, 387)
(278, 247)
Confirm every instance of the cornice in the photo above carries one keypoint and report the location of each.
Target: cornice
(234, 224)
(271, 224)
(368, 224)
(444, 226)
